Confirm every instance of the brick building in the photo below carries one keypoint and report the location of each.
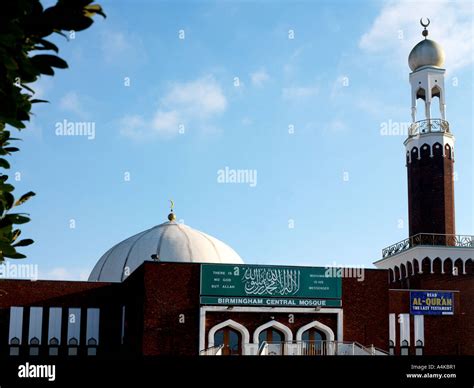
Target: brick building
(174, 290)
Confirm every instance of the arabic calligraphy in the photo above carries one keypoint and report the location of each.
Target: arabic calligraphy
(271, 281)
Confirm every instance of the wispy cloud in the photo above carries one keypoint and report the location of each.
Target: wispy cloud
(71, 102)
(122, 47)
(186, 104)
(299, 92)
(396, 30)
(259, 77)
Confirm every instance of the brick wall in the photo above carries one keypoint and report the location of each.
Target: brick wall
(366, 309)
(444, 335)
(431, 192)
(65, 294)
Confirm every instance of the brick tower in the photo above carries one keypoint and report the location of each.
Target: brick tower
(429, 146)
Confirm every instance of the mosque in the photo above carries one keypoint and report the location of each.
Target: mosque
(173, 290)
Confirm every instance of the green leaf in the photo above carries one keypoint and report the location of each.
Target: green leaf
(4, 163)
(15, 255)
(11, 149)
(93, 9)
(46, 45)
(50, 61)
(15, 123)
(23, 243)
(6, 187)
(4, 135)
(27, 88)
(16, 219)
(7, 249)
(35, 100)
(16, 234)
(24, 198)
(9, 199)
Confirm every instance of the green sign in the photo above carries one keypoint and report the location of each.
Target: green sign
(271, 302)
(269, 282)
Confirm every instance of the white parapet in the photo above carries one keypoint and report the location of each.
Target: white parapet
(419, 253)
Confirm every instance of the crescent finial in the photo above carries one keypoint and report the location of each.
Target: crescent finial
(425, 24)
(171, 216)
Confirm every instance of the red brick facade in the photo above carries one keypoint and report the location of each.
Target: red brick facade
(431, 190)
(444, 334)
(163, 311)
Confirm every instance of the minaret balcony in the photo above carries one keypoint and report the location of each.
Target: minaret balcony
(428, 126)
(425, 239)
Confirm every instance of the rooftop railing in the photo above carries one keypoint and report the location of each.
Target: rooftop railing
(317, 348)
(428, 126)
(425, 239)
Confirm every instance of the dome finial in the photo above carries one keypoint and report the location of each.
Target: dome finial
(171, 216)
(425, 31)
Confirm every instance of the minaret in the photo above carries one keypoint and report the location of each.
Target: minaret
(430, 144)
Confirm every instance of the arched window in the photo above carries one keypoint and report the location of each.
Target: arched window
(231, 340)
(437, 265)
(416, 267)
(436, 102)
(437, 149)
(469, 266)
(72, 348)
(228, 334)
(15, 346)
(34, 346)
(447, 266)
(397, 273)
(403, 272)
(421, 93)
(426, 265)
(404, 349)
(447, 151)
(419, 348)
(391, 347)
(53, 346)
(275, 334)
(274, 339)
(315, 338)
(313, 342)
(271, 335)
(409, 269)
(458, 268)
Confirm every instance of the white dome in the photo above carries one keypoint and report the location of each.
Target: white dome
(171, 242)
(426, 53)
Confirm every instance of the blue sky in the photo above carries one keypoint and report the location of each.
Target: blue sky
(169, 113)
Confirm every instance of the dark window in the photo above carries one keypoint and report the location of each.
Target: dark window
(230, 339)
(419, 348)
(404, 350)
